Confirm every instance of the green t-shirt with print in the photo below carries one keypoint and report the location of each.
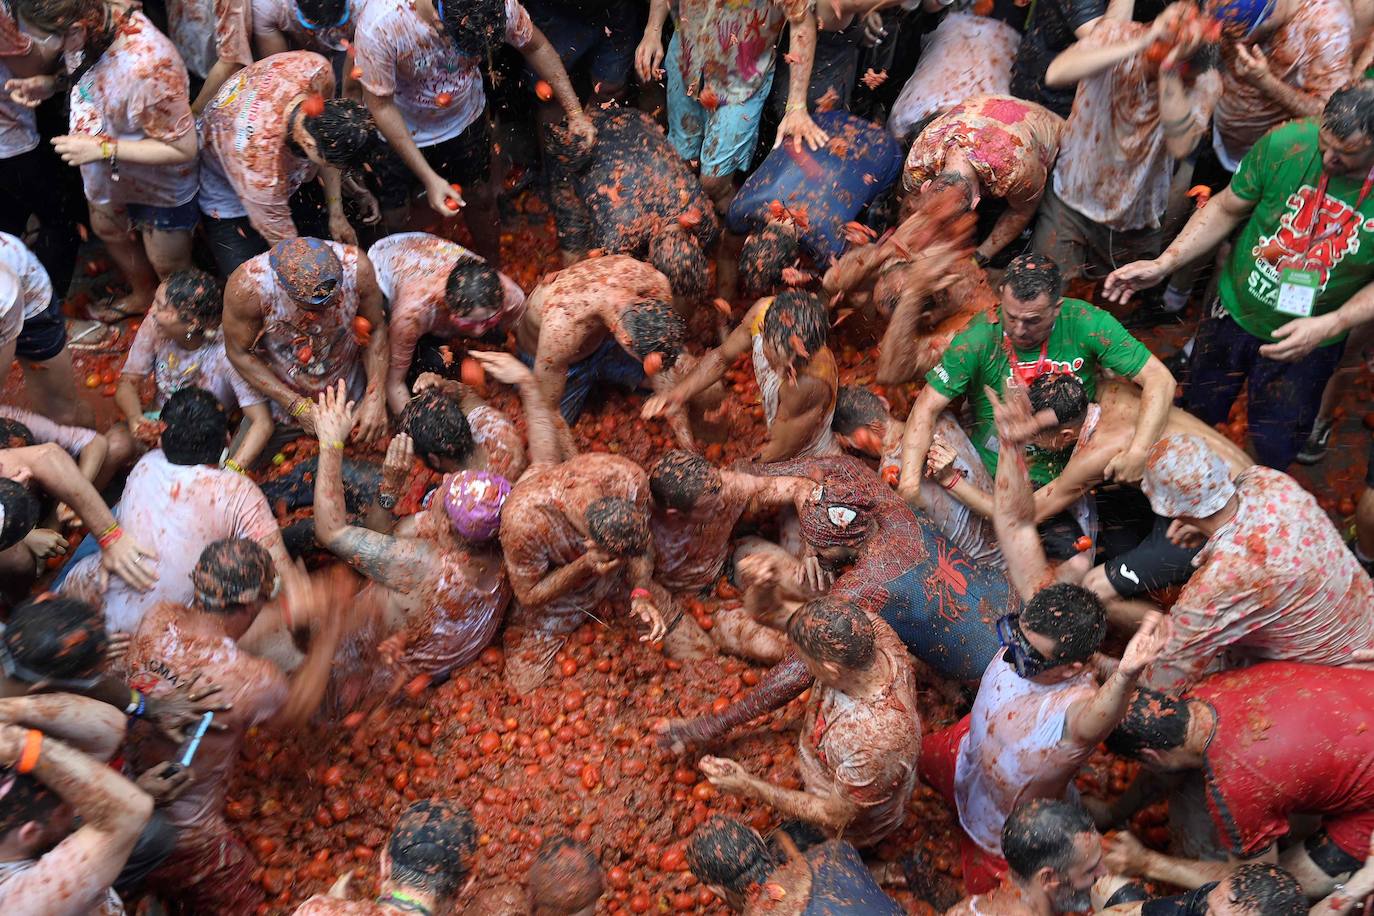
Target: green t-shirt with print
(1084, 339)
(1280, 175)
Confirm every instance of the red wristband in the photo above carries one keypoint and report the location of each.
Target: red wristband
(953, 481)
(112, 534)
(641, 593)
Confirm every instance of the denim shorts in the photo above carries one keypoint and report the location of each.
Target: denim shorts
(724, 139)
(181, 218)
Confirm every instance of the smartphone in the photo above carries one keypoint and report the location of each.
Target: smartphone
(193, 744)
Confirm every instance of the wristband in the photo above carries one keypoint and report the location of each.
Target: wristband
(641, 593)
(299, 406)
(112, 534)
(234, 466)
(386, 500)
(138, 704)
(953, 481)
(795, 106)
(33, 747)
(334, 443)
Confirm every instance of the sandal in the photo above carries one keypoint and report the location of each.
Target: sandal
(108, 313)
(87, 335)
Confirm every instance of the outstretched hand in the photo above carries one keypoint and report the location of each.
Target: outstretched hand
(334, 415)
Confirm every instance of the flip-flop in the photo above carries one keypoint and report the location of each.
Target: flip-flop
(106, 312)
(88, 334)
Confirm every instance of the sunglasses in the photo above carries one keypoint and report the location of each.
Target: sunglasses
(1021, 655)
(18, 672)
(347, 14)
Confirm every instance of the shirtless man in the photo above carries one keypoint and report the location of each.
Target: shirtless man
(211, 871)
(424, 869)
(576, 539)
(437, 287)
(55, 772)
(861, 734)
(795, 369)
(607, 319)
(291, 320)
(443, 591)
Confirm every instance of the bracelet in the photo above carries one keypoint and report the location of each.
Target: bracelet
(33, 747)
(234, 466)
(331, 201)
(299, 406)
(795, 106)
(106, 149)
(953, 481)
(641, 593)
(105, 540)
(386, 500)
(138, 704)
(108, 531)
(334, 443)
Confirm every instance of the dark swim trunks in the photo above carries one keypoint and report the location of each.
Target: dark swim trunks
(842, 885)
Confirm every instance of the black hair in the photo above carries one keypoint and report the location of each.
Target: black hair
(59, 17)
(1062, 393)
(472, 284)
(196, 427)
(24, 799)
(680, 479)
(763, 256)
(343, 132)
(195, 297)
(564, 875)
(655, 326)
(855, 407)
(676, 253)
(796, 319)
(57, 636)
(1153, 720)
(322, 14)
(1070, 615)
(829, 629)
(21, 512)
(803, 835)
(1267, 890)
(1350, 110)
(956, 180)
(477, 27)
(14, 434)
(1040, 834)
(432, 846)
(617, 525)
(438, 427)
(230, 570)
(1030, 276)
(729, 854)
(1207, 57)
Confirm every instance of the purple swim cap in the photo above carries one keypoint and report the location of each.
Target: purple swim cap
(473, 501)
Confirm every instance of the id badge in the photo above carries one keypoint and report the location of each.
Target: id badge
(1298, 292)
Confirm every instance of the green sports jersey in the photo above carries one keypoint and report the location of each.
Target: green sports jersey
(1281, 175)
(1083, 339)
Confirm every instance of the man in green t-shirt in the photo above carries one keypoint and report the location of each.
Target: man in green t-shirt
(1047, 333)
(1298, 278)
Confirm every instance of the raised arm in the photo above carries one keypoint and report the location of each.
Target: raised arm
(1156, 400)
(1089, 722)
(1013, 515)
(74, 876)
(544, 425)
(88, 725)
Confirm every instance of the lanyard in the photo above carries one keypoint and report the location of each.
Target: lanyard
(1313, 237)
(1033, 374)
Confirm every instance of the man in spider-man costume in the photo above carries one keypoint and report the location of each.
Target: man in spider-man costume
(889, 562)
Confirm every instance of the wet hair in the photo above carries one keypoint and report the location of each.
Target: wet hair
(21, 512)
(1070, 615)
(803, 835)
(1040, 834)
(432, 846)
(1267, 890)
(322, 13)
(764, 255)
(796, 318)
(24, 799)
(829, 629)
(472, 284)
(564, 876)
(438, 427)
(1030, 276)
(14, 434)
(59, 16)
(655, 326)
(676, 253)
(855, 407)
(729, 854)
(1350, 110)
(957, 181)
(230, 570)
(57, 636)
(196, 427)
(1207, 57)
(195, 297)
(617, 525)
(1062, 393)
(1153, 721)
(477, 27)
(680, 479)
(343, 132)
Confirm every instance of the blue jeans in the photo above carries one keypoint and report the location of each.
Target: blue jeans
(1283, 397)
(607, 363)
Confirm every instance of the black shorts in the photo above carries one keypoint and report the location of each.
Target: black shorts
(44, 335)
(464, 160)
(1154, 563)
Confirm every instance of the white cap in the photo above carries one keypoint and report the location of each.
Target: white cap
(1185, 477)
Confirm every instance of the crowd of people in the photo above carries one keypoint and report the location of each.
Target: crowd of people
(961, 478)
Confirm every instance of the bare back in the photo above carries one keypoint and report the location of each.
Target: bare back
(569, 316)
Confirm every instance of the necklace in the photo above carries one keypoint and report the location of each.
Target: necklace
(404, 901)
